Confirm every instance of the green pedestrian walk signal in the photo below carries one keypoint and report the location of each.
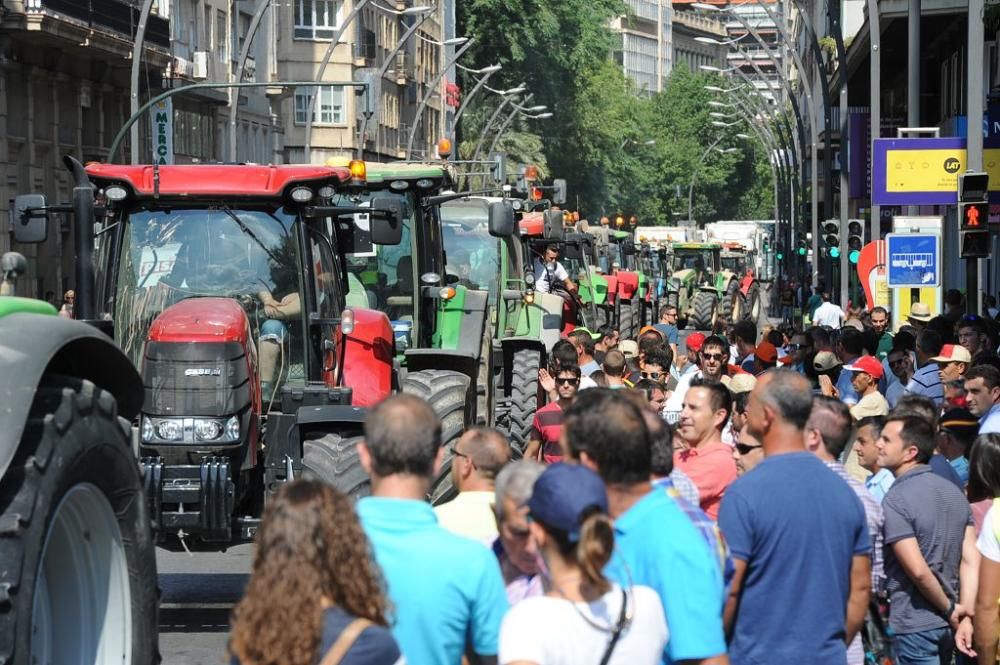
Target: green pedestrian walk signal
(834, 252)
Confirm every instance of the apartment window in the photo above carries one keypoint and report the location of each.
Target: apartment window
(316, 19)
(220, 35)
(329, 106)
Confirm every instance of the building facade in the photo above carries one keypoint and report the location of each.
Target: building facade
(645, 50)
(688, 25)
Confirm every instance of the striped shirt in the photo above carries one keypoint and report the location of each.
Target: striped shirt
(926, 381)
(547, 428)
(874, 518)
(706, 527)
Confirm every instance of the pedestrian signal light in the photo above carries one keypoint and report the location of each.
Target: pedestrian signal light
(802, 251)
(835, 252)
(975, 244)
(853, 256)
(779, 256)
(974, 216)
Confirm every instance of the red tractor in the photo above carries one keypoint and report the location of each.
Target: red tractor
(225, 286)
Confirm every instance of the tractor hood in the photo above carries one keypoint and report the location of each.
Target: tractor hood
(683, 276)
(202, 320)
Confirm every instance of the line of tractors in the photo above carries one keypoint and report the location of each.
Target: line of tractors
(233, 324)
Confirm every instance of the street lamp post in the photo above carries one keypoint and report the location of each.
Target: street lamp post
(508, 99)
(140, 36)
(487, 72)
(506, 123)
(467, 42)
(381, 72)
(241, 64)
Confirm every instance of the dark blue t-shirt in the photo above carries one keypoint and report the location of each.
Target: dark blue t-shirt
(797, 525)
(374, 646)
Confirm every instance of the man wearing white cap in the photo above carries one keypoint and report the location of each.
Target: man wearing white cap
(953, 362)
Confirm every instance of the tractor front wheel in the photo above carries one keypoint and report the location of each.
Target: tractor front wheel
(703, 310)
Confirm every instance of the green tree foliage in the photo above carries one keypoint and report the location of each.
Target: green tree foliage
(621, 150)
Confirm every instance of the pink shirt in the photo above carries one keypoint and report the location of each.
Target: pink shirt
(712, 468)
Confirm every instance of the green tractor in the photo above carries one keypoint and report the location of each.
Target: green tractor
(437, 298)
(700, 288)
(79, 556)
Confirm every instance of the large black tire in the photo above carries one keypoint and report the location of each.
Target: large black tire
(75, 536)
(753, 303)
(703, 310)
(333, 459)
(732, 306)
(447, 393)
(524, 397)
(626, 320)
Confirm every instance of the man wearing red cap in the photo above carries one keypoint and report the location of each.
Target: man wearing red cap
(865, 374)
(693, 343)
(765, 357)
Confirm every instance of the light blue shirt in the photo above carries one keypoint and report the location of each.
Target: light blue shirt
(926, 381)
(990, 423)
(657, 545)
(445, 590)
(848, 395)
(961, 466)
(879, 483)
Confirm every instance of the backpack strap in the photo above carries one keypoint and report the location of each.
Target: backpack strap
(345, 641)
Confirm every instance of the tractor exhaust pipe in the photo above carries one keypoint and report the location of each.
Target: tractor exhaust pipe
(83, 239)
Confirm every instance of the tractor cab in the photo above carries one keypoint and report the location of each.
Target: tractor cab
(225, 286)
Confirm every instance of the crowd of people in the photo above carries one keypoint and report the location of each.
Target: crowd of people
(819, 494)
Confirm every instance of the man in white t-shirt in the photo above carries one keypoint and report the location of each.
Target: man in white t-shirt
(479, 455)
(550, 274)
(828, 314)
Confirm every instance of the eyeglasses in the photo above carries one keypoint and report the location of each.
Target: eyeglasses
(567, 382)
(745, 448)
(712, 356)
(655, 376)
(456, 453)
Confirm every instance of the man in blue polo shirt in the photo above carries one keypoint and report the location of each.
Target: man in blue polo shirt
(604, 431)
(447, 593)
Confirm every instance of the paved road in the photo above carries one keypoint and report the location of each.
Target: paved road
(198, 593)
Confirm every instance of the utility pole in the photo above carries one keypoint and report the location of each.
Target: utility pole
(974, 139)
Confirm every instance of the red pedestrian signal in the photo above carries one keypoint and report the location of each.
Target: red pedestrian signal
(974, 216)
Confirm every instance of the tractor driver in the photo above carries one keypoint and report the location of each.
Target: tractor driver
(550, 275)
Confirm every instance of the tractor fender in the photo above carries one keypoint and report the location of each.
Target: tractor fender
(368, 356)
(33, 345)
(746, 283)
(511, 345)
(456, 360)
(709, 288)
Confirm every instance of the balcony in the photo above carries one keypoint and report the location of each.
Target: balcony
(106, 15)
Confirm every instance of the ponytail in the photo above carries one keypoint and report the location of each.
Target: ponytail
(593, 551)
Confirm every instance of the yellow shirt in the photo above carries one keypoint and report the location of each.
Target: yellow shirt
(470, 514)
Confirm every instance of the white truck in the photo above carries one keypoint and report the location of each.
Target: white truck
(662, 236)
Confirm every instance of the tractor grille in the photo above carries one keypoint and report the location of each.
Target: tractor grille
(195, 379)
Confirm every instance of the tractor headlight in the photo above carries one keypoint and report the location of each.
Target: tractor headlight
(207, 430)
(169, 430)
(233, 429)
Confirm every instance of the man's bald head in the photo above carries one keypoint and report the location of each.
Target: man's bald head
(788, 393)
(487, 450)
(402, 434)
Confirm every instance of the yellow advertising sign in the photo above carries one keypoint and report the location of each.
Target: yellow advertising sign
(924, 170)
(935, 170)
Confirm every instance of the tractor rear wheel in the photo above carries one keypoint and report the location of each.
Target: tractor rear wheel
(79, 578)
(447, 392)
(524, 397)
(626, 320)
(703, 310)
(333, 459)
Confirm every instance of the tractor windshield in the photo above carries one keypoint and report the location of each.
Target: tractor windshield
(697, 260)
(734, 263)
(166, 256)
(472, 254)
(384, 276)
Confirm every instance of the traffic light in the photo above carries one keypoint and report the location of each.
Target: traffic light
(801, 247)
(831, 237)
(974, 224)
(974, 216)
(779, 252)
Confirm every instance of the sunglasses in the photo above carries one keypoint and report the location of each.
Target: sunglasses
(745, 448)
(655, 376)
(567, 382)
(712, 356)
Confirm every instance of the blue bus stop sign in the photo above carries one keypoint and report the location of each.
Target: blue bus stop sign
(913, 260)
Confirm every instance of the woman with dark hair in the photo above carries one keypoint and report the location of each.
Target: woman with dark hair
(984, 484)
(313, 566)
(583, 617)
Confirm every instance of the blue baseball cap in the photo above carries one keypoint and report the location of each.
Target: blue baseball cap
(563, 494)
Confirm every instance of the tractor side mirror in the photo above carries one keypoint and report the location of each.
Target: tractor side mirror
(553, 224)
(501, 219)
(30, 219)
(559, 191)
(387, 227)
